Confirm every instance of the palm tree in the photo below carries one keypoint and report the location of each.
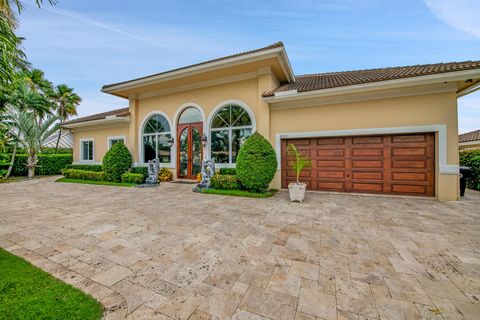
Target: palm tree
(36, 81)
(28, 134)
(67, 102)
(10, 8)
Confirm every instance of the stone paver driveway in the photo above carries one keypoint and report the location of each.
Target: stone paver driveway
(168, 253)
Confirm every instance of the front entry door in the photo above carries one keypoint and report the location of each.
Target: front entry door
(189, 150)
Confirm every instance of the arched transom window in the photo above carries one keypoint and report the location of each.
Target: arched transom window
(230, 127)
(155, 137)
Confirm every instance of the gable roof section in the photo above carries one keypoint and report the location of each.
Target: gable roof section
(469, 136)
(277, 45)
(123, 112)
(319, 81)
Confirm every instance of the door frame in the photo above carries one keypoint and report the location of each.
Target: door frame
(189, 127)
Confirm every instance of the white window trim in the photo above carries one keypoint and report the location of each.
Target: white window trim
(171, 164)
(208, 130)
(440, 129)
(116, 138)
(81, 150)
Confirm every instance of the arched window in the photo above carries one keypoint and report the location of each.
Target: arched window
(190, 115)
(230, 127)
(156, 139)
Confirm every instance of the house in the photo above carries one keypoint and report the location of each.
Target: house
(386, 131)
(469, 140)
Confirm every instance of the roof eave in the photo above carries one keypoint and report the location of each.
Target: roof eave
(380, 85)
(279, 52)
(107, 120)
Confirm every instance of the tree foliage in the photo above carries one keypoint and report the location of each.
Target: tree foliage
(116, 162)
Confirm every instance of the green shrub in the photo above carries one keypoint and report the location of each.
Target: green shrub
(89, 167)
(48, 164)
(225, 182)
(116, 162)
(141, 170)
(256, 163)
(228, 171)
(165, 175)
(84, 174)
(132, 177)
(471, 158)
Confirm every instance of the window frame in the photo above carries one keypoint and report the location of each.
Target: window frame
(82, 141)
(156, 134)
(230, 129)
(109, 140)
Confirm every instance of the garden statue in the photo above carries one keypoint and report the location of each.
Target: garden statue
(208, 171)
(153, 168)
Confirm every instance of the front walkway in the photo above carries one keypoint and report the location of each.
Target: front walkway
(168, 253)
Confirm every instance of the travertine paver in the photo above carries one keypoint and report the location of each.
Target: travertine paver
(168, 253)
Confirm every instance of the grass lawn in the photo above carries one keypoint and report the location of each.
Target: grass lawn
(27, 292)
(240, 193)
(105, 183)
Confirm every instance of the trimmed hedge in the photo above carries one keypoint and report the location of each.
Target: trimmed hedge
(88, 167)
(141, 170)
(132, 177)
(471, 158)
(256, 163)
(227, 171)
(225, 182)
(48, 164)
(116, 162)
(84, 174)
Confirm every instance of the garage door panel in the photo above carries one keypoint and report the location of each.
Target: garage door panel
(409, 138)
(367, 175)
(409, 164)
(367, 164)
(367, 187)
(329, 141)
(405, 188)
(409, 176)
(330, 152)
(330, 163)
(411, 151)
(331, 174)
(395, 164)
(363, 140)
(367, 152)
(330, 185)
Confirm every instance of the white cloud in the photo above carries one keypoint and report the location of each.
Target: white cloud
(459, 14)
(469, 113)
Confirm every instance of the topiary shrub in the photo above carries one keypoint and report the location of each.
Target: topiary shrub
(116, 162)
(256, 163)
(165, 175)
(132, 177)
(228, 171)
(225, 182)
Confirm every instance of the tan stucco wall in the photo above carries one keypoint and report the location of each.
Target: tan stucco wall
(100, 135)
(430, 109)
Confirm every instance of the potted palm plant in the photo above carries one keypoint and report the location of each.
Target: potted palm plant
(297, 189)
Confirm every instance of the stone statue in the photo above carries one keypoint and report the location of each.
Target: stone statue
(153, 168)
(208, 171)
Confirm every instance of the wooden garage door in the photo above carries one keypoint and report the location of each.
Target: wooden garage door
(391, 164)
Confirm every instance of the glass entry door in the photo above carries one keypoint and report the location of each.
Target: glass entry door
(189, 150)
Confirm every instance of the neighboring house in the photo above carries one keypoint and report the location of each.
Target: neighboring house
(469, 140)
(389, 130)
(66, 140)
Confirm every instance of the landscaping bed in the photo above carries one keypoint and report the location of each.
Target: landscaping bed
(27, 292)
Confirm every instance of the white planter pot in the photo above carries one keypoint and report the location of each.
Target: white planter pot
(297, 191)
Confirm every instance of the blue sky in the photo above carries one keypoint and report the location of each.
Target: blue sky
(87, 44)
